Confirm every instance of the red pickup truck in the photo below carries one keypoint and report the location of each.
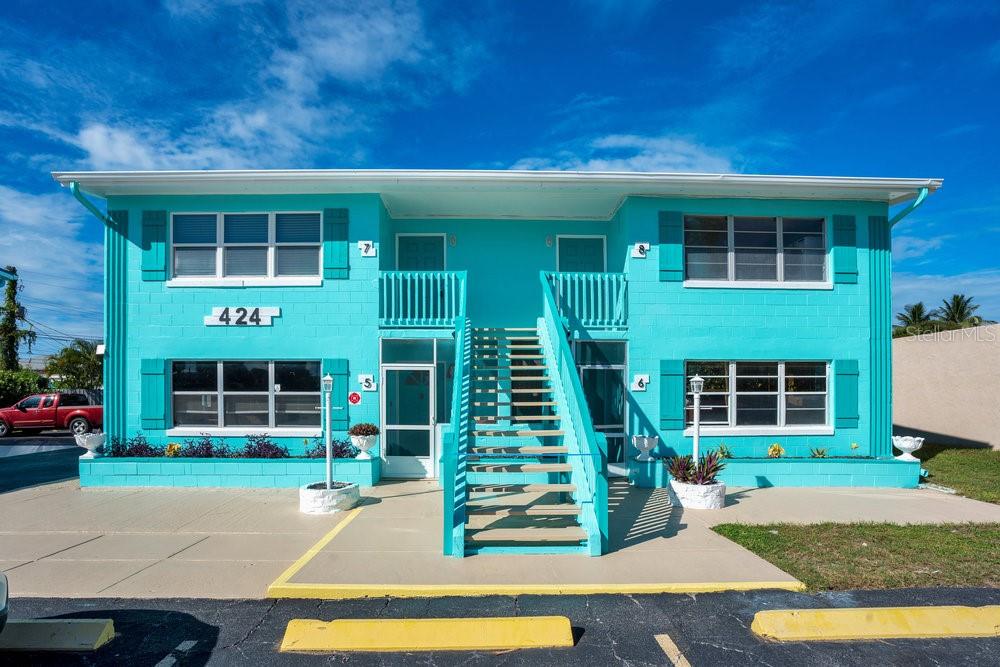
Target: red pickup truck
(51, 411)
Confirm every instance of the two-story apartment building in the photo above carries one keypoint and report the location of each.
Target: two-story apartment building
(508, 331)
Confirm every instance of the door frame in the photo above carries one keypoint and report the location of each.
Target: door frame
(444, 245)
(604, 245)
(431, 369)
(615, 469)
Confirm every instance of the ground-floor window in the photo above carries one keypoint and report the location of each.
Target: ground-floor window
(601, 365)
(246, 393)
(760, 393)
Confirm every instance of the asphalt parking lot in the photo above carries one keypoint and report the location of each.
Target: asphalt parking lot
(31, 460)
(709, 629)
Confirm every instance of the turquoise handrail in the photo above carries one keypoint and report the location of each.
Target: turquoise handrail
(421, 298)
(588, 448)
(591, 300)
(455, 440)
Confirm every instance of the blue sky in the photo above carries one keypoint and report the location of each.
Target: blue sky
(866, 88)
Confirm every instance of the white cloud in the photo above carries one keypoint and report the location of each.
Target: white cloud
(913, 247)
(983, 285)
(630, 152)
(60, 271)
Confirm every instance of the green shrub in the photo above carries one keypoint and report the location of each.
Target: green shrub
(15, 385)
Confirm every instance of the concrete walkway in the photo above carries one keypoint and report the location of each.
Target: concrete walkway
(394, 542)
(57, 540)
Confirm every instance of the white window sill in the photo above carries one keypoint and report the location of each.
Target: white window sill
(305, 281)
(758, 284)
(242, 431)
(761, 430)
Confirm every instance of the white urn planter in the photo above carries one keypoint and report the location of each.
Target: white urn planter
(645, 444)
(698, 496)
(315, 498)
(907, 444)
(364, 443)
(92, 442)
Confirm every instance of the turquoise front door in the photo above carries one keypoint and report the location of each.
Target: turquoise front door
(420, 252)
(581, 254)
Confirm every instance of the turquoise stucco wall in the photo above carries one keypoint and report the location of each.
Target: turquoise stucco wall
(670, 321)
(339, 319)
(503, 258)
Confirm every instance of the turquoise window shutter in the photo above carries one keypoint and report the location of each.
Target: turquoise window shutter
(153, 390)
(845, 249)
(845, 390)
(154, 245)
(671, 246)
(339, 418)
(335, 255)
(672, 394)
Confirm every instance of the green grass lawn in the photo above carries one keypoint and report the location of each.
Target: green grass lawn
(832, 556)
(972, 472)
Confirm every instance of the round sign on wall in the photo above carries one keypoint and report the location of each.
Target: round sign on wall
(354, 398)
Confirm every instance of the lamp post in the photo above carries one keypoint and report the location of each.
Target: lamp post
(697, 384)
(327, 390)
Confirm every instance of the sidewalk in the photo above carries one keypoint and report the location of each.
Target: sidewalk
(57, 540)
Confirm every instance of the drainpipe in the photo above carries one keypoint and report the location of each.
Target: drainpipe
(74, 187)
(910, 208)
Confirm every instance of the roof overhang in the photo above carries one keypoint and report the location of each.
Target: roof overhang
(496, 194)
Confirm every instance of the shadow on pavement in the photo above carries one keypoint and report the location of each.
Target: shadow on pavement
(27, 470)
(142, 637)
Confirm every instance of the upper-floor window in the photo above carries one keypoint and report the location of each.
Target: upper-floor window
(754, 249)
(261, 245)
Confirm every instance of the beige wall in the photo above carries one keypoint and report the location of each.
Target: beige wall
(947, 385)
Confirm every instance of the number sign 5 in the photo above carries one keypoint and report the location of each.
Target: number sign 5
(241, 316)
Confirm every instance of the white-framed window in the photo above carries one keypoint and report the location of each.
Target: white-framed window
(265, 246)
(754, 394)
(755, 249)
(251, 394)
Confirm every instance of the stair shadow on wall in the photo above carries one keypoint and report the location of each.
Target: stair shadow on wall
(639, 515)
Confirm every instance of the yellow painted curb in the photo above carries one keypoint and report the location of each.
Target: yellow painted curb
(428, 634)
(57, 634)
(315, 549)
(877, 623)
(355, 591)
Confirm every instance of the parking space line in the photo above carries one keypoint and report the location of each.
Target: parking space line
(673, 653)
(315, 549)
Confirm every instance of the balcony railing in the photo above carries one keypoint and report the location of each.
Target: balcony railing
(591, 300)
(421, 298)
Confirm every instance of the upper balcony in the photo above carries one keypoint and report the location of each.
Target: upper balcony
(591, 301)
(425, 299)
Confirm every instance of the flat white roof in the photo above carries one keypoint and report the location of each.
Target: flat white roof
(589, 195)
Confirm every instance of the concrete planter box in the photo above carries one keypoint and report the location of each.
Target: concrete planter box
(698, 496)
(290, 473)
(315, 498)
(766, 472)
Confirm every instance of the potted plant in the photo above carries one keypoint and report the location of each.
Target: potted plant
(694, 485)
(363, 436)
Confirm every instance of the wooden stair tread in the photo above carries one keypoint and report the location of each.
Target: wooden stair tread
(513, 391)
(519, 467)
(523, 378)
(536, 450)
(508, 509)
(502, 338)
(492, 419)
(516, 404)
(515, 434)
(502, 487)
(571, 534)
(505, 328)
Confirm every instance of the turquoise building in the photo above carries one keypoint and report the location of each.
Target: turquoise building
(509, 332)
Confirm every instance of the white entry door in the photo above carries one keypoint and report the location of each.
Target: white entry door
(408, 421)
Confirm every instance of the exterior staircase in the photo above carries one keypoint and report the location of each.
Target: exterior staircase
(520, 490)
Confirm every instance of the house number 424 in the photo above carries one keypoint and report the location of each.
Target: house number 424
(241, 316)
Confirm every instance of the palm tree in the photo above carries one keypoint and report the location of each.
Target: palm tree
(914, 315)
(959, 311)
(77, 365)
